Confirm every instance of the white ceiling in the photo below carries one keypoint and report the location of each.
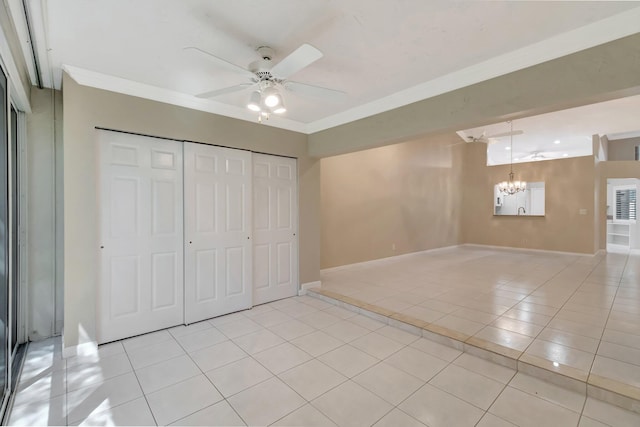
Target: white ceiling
(384, 54)
(572, 129)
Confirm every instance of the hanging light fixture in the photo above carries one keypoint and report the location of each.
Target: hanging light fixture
(511, 187)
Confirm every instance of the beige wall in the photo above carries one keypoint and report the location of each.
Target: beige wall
(623, 149)
(608, 170)
(407, 195)
(87, 108)
(422, 194)
(569, 187)
(604, 72)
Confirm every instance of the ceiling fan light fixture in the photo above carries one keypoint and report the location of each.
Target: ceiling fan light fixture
(269, 79)
(280, 108)
(254, 101)
(272, 97)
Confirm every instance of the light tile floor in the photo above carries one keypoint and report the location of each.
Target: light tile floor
(274, 365)
(576, 315)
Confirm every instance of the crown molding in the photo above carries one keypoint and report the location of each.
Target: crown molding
(128, 87)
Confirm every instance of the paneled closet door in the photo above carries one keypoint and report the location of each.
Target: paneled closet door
(275, 204)
(141, 241)
(217, 231)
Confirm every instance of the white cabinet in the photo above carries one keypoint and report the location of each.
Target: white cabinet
(618, 236)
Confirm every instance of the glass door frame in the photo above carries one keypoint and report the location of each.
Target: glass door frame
(15, 243)
(17, 313)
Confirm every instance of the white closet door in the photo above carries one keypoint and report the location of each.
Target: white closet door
(141, 239)
(217, 231)
(275, 207)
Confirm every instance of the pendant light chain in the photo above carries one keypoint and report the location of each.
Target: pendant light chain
(511, 150)
(511, 187)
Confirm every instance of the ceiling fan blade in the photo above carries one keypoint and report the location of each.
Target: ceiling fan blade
(500, 135)
(296, 61)
(315, 91)
(224, 90)
(223, 63)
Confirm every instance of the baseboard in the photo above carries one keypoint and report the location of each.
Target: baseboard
(445, 248)
(511, 248)
(305, 286)
(84, 349)
(387, 259)
(617, 249)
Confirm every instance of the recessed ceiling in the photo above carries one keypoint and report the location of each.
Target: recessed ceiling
(551, 136)
(382, 54)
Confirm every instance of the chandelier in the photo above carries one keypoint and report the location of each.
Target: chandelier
(511, 187)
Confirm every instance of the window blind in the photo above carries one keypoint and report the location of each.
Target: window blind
(626, 204)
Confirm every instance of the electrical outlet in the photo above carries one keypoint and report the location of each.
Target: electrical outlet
(393, 246)
(582, 211)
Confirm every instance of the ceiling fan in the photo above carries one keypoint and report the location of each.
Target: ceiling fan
(489, 139)
(267, 79)
(539, 155)
(484, 138)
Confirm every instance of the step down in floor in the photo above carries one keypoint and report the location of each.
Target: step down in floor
(601, 388)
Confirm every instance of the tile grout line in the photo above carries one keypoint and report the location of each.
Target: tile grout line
(350, 378)
(140, 385)
(307, 402)
(604, 329)
(224, 398)
(594, 267)
(257, 361)
(573, 263)
(589, 268)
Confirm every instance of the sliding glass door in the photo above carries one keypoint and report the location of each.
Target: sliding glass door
(10, 349)
(4, 238)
